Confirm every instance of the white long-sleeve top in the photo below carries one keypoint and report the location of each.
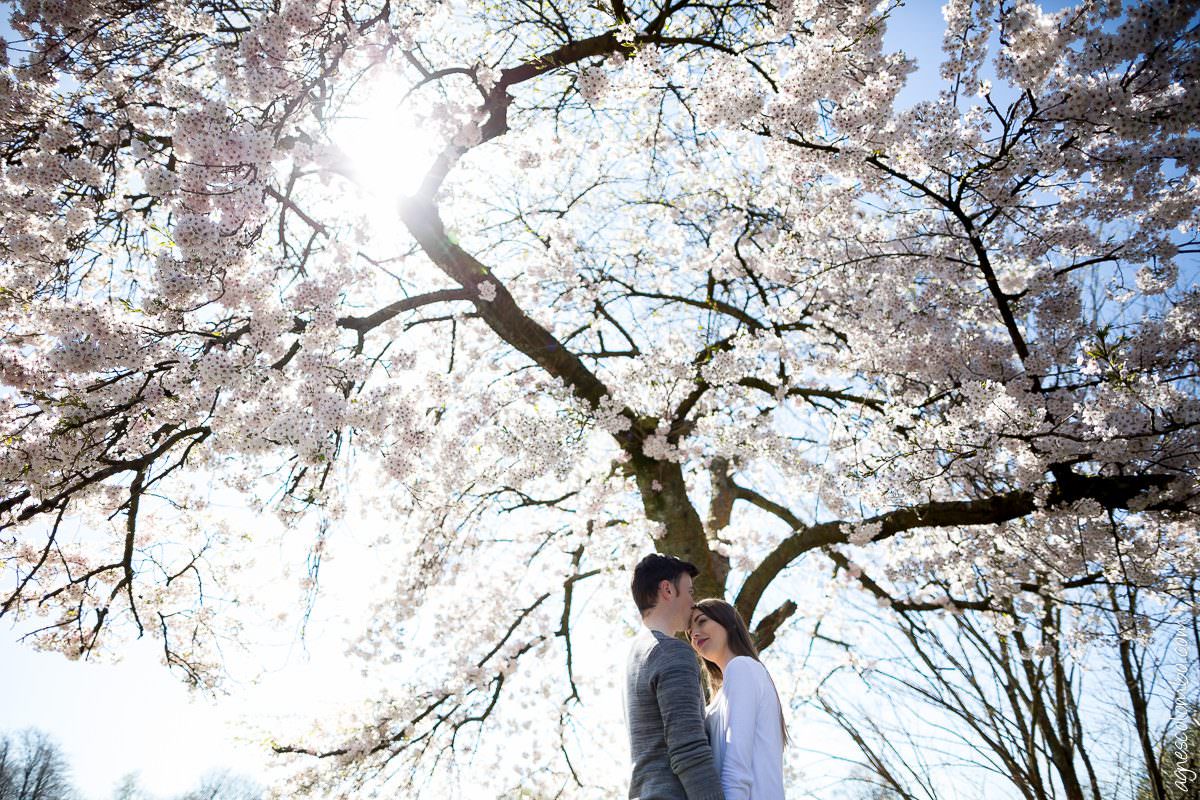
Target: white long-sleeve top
(743, 723)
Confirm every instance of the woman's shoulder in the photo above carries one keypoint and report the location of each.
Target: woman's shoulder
(745, 668)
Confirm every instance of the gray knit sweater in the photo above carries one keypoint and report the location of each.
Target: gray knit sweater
(664, 708)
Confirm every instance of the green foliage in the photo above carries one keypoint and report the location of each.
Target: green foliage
(1179, 763)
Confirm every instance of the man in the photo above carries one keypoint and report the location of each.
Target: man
(664, 706)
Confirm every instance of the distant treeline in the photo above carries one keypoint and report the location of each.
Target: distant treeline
(33, 767)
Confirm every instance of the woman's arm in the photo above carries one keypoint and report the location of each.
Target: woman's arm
(741, 687)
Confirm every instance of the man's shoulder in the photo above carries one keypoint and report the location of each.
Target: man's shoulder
(673, 643)
(651, 646)
(670, 651)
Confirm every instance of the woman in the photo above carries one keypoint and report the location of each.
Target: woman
(744, 717)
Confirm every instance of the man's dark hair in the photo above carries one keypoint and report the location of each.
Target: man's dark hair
(653, 570)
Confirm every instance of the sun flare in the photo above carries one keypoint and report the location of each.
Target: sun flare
(388, 146)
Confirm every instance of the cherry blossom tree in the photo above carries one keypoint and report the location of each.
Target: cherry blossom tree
(674, 275)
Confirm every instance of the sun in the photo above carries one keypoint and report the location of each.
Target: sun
(388, 146)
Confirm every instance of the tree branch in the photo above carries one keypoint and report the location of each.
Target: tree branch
(1110, 492)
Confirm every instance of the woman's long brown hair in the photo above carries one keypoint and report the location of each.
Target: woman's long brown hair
(737, 637)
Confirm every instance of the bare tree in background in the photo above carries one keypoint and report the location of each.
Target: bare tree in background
(32, 767)
(128, 788)
(224, 785)
(215, 785)
(1002, 687)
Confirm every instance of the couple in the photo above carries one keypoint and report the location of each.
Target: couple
(741, 757)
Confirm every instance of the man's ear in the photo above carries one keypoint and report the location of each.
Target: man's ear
(665, 585)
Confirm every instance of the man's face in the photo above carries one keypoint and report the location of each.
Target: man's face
(682, 600)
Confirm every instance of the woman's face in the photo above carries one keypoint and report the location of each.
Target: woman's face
(709, 639)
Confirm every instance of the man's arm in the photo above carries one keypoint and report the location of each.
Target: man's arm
(677, 689)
